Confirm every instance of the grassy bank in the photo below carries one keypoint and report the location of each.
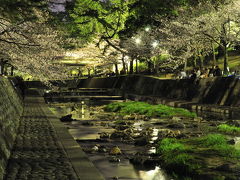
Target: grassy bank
(190, 156)
(148, 109)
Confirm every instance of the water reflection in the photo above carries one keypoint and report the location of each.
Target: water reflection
(156, 174)
(152, 150)
(237, 142)
(154, 135)
(83, 107)
(85, 111)
(88, 134)
(78, 110)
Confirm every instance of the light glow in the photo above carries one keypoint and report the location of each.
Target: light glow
(147, 29)
(138, 40)
(154, 44)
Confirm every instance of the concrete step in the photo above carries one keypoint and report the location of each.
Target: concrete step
(80, 98)
(79, 92)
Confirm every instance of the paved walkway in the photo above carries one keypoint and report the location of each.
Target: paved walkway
(44, 150)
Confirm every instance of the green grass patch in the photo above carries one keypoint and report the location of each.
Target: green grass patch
(218, 143)
(225, 128)
(175, 155)
(213, 139)
(149, 110)
(182, 156)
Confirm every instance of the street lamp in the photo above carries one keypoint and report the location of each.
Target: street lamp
(155, 44)
(147, 29)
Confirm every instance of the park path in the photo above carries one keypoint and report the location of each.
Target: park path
(44, 150)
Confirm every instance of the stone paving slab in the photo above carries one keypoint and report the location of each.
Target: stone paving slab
(44, 150)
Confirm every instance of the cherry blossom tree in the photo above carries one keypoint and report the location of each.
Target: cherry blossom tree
(222, 27)
(195, 33)
(31, 46)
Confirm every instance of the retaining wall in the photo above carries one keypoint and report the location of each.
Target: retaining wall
(11, 107)
(224, 91)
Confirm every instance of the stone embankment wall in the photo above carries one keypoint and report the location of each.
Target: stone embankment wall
(11, 107)
(219, 90)
(224, 91)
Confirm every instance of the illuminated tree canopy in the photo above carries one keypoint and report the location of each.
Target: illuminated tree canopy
(183, 29)
(27, 41)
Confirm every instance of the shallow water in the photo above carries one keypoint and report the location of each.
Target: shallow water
(88, 136)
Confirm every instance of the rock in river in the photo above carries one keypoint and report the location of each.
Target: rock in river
(115, 151)
(67, 118)
(142, 141)
(176, 125)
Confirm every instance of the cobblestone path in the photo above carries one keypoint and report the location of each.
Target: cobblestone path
(37, 154)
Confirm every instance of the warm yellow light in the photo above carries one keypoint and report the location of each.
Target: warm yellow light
(147, 29)
(74, 72)
(157, 173)
(138, 40)
(155, 44)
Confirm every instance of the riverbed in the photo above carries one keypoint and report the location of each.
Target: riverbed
(93, 129)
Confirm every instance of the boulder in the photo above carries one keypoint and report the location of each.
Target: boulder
(95, 148)
(175, 118)
(176, 125)
(115, 151)
(231, 141)
(164, 133)
(104, 135)
(198, 119)
(142, 117)
(102, 149)
(114, 159)
(67, 118)
(234, 123)
(144, 160)
(122, 127)
(87, 123)
(129, 117)
(142, 141)
(119, 135)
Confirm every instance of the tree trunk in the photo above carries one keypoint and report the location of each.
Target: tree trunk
(94, 70)
(214, 56)
(185, 66)
(2, 67)
(116, 69)
(149, 67)
(201, 61)
(201, 58)
(225, 65)
(89, 72)
(220, 51)
(131, 67)
(12, 69)
(124, 65)
(157, 68)
(195, 61)
(136, 66)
